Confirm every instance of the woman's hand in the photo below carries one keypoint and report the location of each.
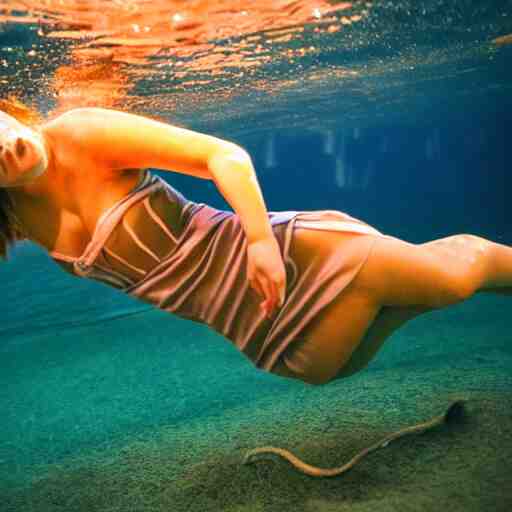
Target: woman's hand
(266, 272)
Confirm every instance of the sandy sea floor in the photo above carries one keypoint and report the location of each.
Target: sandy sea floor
(154, 413)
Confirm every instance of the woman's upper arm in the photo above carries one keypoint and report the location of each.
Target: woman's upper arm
(119, 140)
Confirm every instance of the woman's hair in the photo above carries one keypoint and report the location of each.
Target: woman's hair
(10, 228)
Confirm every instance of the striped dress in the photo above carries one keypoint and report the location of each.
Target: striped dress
(189, 259)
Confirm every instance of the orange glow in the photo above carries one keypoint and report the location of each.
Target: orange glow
(503, 40)
(196, 41)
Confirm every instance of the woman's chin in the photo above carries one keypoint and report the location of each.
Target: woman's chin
(29, 176)
(35, 172)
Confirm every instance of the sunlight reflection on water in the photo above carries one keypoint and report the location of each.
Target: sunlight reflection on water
(251, 63)
(111, 45)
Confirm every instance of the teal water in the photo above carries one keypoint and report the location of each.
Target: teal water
(138, 409)
(108, 404)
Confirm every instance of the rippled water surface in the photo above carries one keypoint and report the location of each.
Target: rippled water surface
(251, 65)
(394, 111)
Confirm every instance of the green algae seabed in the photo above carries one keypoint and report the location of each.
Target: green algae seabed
(181, 447)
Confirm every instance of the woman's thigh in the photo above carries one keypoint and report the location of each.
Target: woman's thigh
(398, 282)
(329, 340)
(434, 274)
(327, 344)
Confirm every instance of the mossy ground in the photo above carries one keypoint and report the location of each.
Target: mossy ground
(153, 414)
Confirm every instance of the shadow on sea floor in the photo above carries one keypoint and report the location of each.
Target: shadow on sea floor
(165, 459)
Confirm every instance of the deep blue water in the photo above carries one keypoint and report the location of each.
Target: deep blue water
(415, 142)
(416, 183)
(418, 145)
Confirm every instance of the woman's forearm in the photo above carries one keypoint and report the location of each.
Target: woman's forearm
(234, 175)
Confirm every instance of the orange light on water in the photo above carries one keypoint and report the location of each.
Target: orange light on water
(196, 41)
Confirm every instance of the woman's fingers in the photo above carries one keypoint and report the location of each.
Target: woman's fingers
(256, 285)
(263, 293)
(269, 295)
(266, 272)
(274, 293)
(279, 288)
(270, 289)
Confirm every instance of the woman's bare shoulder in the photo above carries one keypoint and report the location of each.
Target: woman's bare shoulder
(81, 117)
(115, 140)
(80, 135)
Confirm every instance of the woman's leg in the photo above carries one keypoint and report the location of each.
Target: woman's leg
(437, 273)
(399, 281)
(390, 318)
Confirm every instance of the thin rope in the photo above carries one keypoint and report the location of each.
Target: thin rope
(453, 414)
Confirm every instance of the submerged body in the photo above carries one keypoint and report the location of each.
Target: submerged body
(310, 295)
(189, 259)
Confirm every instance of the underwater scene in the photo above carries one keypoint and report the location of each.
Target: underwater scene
(396, 113)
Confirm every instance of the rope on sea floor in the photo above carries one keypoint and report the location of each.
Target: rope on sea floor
(454, 413)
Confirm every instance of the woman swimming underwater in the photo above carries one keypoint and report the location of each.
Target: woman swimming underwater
(310, 295)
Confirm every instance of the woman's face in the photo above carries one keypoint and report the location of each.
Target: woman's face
(23, 155)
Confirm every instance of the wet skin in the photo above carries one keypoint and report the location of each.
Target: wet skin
(23, 156)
